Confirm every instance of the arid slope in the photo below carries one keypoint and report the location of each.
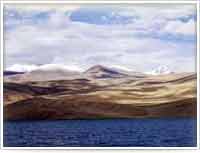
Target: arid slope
(172, 95)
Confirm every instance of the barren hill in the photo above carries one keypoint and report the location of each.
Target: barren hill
(171, 95)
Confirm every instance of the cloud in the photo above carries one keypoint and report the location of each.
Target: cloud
(149, 40)
(178, 27)
(159, 11)
(41, 7)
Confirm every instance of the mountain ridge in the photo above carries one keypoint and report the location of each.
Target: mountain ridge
(172, 95)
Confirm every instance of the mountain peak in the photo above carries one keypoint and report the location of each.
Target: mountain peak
(99, 71)
(97, 68)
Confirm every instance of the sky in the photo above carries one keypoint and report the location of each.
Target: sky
(138, 37)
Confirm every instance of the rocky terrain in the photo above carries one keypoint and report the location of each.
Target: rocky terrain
(99, 92)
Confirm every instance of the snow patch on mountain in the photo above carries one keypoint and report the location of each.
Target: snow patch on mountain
(120, 67)
(45, 67)
(62, 67)
(22, 67)
(161, 70)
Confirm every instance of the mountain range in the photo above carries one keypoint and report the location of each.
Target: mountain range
(99, 92)
(56, 72)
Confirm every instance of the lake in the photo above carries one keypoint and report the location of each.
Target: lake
(168, 132)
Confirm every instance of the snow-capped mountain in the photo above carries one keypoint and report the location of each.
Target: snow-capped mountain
(45, 67)
(22, 67)
(45, 72)
(161, 70)
(99, 71)
(54, 67)
(121, 68)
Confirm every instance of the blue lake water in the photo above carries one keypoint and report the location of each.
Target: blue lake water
(180, 132)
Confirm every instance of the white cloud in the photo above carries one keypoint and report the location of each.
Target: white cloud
(178, 27)
(58, 19)
(80, 45)
(169, 11)
(42, 7)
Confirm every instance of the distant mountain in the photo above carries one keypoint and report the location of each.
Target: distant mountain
(99, 71)
(49, 72)
(161, 70)
(8, 73)
(44, 67)
(45, 73)
(60, 67)
(128, 72)
(22, 67)
(121, 68)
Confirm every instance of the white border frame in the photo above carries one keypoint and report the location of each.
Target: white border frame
(196, 3)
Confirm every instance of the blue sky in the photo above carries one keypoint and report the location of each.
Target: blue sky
(137, 37)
